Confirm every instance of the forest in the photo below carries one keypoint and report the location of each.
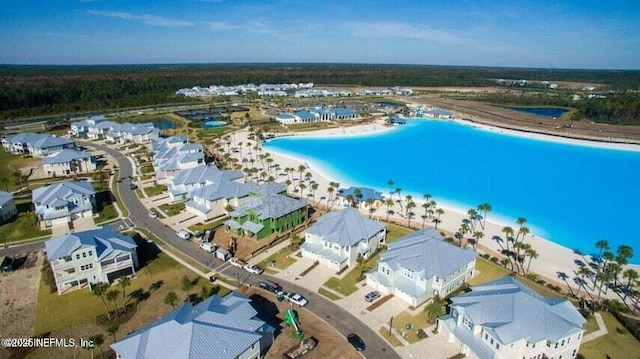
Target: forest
(27, 91)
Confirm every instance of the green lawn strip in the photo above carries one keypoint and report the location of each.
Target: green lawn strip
(487, 271)
(395, 342)
(21, 227)
(147, 168)
(171, 209)
(9, 165)
(395, 232)
(348, 284)
(591, 325)
(160, 214)
(116, 194)
(618, 343)
(281, 259)
(209, 225)
(418, 321)
(328, 294)
(107, 213)
(139, 193)
(155, 190)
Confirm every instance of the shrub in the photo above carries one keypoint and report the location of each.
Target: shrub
(495, 259)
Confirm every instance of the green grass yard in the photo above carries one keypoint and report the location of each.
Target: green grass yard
(21, 227)
(395, 232)
(328, 294)
(347, 285)
(171, 209)
(155, 190)
(618, 343)
(281, 259)
(9, 165)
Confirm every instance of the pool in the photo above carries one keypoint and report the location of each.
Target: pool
(573, 195)
(215, 123)
(553, 112)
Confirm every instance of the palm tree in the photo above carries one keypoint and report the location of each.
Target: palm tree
(350, 200)
(357, 194)
(583, 271)
(410, 205)
(408, 198)
(632, 276)
(171, 299)
(473, 217)
(296, 241)
(624, 254)
(485, 208)
(97, 340)
(477, 235)
(434, 309)
(426, 207)
(508, 234)
(533, 254)
(99, 290)
(370, 203)
(427, 197)
(113, 329)
(123, 283)
(390, 184)
(314, 188)
(399, 191)
(186, 285)
(360, 262)
(301, 170)
(388, 203)
(112, 296)
(302, 187)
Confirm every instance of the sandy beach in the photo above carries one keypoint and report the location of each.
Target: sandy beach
(554, 261)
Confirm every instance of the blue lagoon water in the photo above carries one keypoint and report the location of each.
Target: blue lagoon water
(541, 111)
(214, 123)
(570, 194)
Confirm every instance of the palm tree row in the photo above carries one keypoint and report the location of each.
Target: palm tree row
(102, 291)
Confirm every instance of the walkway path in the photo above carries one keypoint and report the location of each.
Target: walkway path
(602, 329)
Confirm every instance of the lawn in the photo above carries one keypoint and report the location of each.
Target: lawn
(148, 168)
(209, 225)
(328, 294)
(418, 321)
(618, 343)
(395, 342)
(348, 284)
(9, 165)
(21, 227)
(487, 271)
(107, 213)
(155, 190)
(74, 314)
(281, 259)
(394, 232)
(171, 209)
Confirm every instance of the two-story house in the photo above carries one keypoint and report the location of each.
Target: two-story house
(338, 238)
(63, 202)
(421, 265)
(35, 144)
(220, 328)
(213, 200)
(174, 154)
(185, 182)
(505, 319)
(81, 128)
(99, 255)
(143, 132)
(100, 129)
(267, 211)
(67, 162)
(7, 207)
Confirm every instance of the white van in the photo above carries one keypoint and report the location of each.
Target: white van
(208, 246)
(183, 234)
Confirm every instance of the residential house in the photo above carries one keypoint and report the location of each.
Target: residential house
(143, 132)
(81, 128)
(220, 328)
(267, 211)
(338, 238)
(317, 114)
(439, 113)
(63, 202)
(36, 144)
(7, 207)
(100, 129)
(94, 256)
(506, 319)
(185, 182)
(174, 154)
(213, 200)
(421, 265)
(350, 197)
(67, 162)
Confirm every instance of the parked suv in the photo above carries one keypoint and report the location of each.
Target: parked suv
(183, 234)
(270, 286)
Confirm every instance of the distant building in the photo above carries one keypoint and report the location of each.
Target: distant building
(7, 207)
(67, 162)
(185, 182)
(36, 144)
(506, 319)
(317, 114)
(81, 128)
(144, 132)
(338, 238)
(366, 195)
(63, 202)
(421, 265)
(438, 113)
(95, 256)
(220, 328)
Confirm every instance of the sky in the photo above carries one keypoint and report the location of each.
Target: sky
(523, 33)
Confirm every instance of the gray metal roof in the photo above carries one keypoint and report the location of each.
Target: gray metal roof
(426, 253)
(65, 156)
(224, 189)
(511, 311)
(5, 197)
(221, 328)
(106, 241)
(205, 174)
(269, 206)
(346, 227)
(51, 194)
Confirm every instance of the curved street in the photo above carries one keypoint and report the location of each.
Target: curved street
(338, 318)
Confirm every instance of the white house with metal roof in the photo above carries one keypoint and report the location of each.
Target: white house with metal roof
(81, 128)
(506, 319)
(185, 182)
(63, 202)
(94, 256)
(421, 265)
(7, 207)
(211, 201)
(35, 144)
(337, 238)
(220, 328)
(143, 132)
(174, 154)
(67, 162)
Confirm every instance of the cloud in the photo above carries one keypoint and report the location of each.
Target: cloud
(222, 26)
(146, 19)
(255, 27)
(388, 29)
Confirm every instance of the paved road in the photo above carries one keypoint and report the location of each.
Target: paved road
(340, 319)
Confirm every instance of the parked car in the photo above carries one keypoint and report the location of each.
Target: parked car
(296, 299)
(183, 234)
(133, 187)
(236, 262)
(252, 268)
(208, 246)
(270, 286)
(356, 341)
(153, 214)
(371, 296)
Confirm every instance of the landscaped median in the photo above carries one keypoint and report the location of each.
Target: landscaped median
(116, 194)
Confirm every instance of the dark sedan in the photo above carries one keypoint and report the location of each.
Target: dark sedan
(356, 341)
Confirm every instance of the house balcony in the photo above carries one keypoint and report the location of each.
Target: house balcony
(61, 264)
(115, 266)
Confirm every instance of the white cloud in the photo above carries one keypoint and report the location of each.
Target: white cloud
(222, 26)
(146, 19)
(389, 29)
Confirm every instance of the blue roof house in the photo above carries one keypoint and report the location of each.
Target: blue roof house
(506, 319)
(7, 207)
(220, 328)
(35, 144)
(420, 265)
(174, 154)
(96, 256)
(366, 198)
(67, 162)
(81, 128)
(185, 182)
(63, 202)
(338, 238)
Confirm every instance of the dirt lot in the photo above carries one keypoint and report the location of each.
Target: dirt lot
(18, 296)
(330, 343)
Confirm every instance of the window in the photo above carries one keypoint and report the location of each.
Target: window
(574, 353)
(491, 341)
(556, 347)
(84, 254)
(498, 346)
(562, 343)
(77, 256)
(486, 336)
(469, 325)
(90, 253)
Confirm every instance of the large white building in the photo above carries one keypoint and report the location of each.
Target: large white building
(421, 265)
(68, 162)
(317, 114)
(63, 202)
(505, 319)
(36, 144)
(337, 238)
(96, 256)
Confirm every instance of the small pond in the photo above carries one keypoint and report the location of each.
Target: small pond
(163, 123)
(215, 124)
(553, 112)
